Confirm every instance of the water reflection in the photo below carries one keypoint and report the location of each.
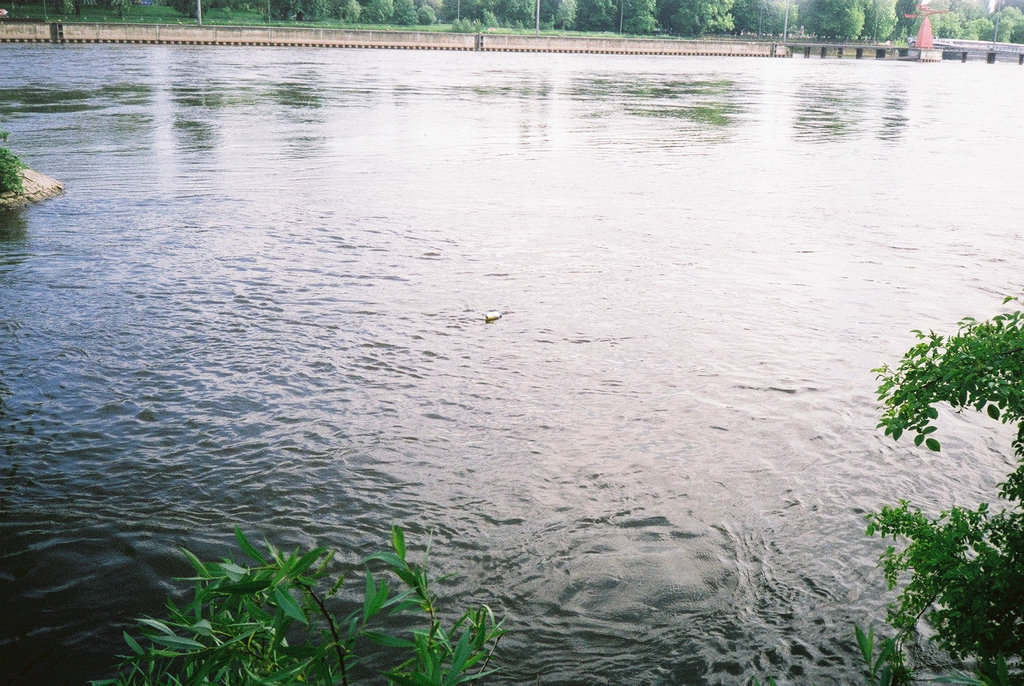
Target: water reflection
(518, 88)
(894, 117)
(709, 104)
(826, 112)
(297, 95)
(37, 99)
(202, 97)
(194, 135)
(13, 226)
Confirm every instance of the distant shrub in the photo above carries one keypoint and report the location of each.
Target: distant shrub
(10, 169)
(405, 13)
(464, 26)
(426, 15)
(350, 11)
(379, 11)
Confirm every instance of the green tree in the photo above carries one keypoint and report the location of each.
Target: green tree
(349, 11)
(513, 12)
(405, 13)
(780, 19)
(1010, 18)
(379, 11)
(563, 15)
(597, 15)
(758, 16)
(969, 9)
(977, 29)
(879, 19)
(965, 567)
(472, 10)
(695, 17)
(425, 15)
(638, 17)
(949, 25)
(747, 16)
(835, 19)
(905, 26)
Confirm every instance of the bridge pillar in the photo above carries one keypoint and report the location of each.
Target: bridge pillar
(879, 53)
(963, 57)
(807, 51)
(991, 57)
(839, 51)
(860, 53)
(823, 49)
(1020, 58)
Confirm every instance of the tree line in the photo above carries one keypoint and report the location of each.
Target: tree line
(840, 20)
(868, 20)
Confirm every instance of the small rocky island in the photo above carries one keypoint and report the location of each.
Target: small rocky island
(36, 187)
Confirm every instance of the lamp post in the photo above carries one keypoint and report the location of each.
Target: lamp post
(537, 32)
(995, 33)
(620, 17)
(199, 12)
(785, 25)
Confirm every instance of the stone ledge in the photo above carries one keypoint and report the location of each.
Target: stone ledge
(37, 187)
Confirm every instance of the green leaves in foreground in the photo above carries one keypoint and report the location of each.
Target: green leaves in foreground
(10, 169)
(980, 367)
(274, 623)
(964, 570)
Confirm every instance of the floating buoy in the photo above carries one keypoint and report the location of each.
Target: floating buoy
(492, 317)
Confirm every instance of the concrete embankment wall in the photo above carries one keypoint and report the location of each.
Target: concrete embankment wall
(58, 32)
(24, 32)
(628, 46)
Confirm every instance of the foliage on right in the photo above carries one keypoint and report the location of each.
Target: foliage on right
(965, 567)
(10, 168)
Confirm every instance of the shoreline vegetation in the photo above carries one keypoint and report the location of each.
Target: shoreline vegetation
(36, 187)
(20, 185)
(874, 22)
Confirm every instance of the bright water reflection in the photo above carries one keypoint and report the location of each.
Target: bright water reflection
(260, 303)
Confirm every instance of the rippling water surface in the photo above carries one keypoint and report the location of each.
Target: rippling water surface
(260, 303)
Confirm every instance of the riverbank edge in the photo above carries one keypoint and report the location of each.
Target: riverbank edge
(37, 186)
(275, 36)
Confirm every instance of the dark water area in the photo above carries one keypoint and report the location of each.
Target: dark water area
(260, 303)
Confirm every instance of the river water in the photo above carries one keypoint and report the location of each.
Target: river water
(260, 302)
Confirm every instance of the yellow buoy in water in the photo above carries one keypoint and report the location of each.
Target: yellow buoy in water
(492, 317)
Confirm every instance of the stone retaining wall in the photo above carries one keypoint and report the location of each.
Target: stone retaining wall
(58, 32)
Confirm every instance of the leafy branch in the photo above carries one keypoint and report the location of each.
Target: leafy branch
(270, 623)
(964, 570)
(10, 168)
